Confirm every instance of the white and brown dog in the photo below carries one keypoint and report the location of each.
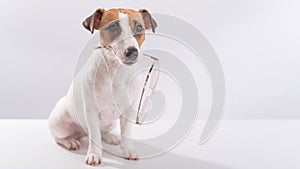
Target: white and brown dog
(88, 108)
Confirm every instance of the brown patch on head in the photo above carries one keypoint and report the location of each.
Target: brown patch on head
(107, 37)
(136, 19)
(109, 16)
(127, 11)
(101, 20)
(141, 17)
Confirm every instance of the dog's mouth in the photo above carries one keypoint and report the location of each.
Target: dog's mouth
(131, 62)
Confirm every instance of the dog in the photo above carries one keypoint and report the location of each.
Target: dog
(88, 108)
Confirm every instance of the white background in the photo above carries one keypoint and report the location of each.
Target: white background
(237, 144)
(257, 42)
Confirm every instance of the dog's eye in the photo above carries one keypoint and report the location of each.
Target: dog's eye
(138, 28)
(113, 27)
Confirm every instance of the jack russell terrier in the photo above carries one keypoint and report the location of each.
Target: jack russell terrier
(88, 108)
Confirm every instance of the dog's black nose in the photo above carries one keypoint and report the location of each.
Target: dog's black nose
(131, 53)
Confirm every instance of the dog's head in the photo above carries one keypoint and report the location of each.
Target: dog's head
(122, 29)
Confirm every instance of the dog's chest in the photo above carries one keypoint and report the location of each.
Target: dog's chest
(115, 91)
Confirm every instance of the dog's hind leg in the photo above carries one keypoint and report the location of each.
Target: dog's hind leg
(65, 132)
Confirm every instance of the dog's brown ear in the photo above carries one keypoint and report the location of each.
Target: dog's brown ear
(150, 23)
(93, 22)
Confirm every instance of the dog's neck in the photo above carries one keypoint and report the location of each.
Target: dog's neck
(101, 59)
(103, 64)
(110, 61)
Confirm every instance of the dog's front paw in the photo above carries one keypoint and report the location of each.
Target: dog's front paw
(130, 154)
(93, 159)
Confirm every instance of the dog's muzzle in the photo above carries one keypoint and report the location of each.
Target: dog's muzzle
(131, 55)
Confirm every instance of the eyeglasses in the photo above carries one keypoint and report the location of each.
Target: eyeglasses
(147, 86)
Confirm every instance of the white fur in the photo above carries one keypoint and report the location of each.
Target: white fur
(126, 38)
(88, 107)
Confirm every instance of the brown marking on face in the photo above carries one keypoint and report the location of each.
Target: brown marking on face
(142, 17)
(113, 15)
(106, 36)
(102, 19)
(109, 16)
(134, 20)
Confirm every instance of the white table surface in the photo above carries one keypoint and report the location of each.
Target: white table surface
(237, 144)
